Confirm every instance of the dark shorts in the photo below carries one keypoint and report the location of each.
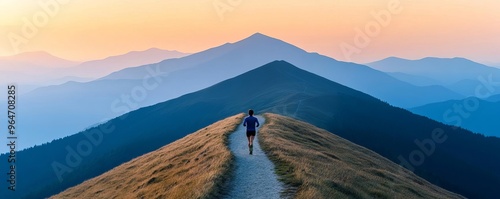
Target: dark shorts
(250, 133)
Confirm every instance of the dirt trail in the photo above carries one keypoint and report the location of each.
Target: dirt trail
(254, 175)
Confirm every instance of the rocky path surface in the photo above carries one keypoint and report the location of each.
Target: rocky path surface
(254, 175)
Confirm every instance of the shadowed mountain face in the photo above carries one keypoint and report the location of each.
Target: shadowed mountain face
(280, 88)
(132, 88)
(458, 74)
(475, 114)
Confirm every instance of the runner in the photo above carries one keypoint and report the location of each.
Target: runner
(251, 122)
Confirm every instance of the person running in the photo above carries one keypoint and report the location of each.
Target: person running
(251, 122)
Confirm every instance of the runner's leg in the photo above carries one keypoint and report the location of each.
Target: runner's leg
(251, 139)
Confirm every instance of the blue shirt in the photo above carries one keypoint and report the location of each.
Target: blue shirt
(250, 123)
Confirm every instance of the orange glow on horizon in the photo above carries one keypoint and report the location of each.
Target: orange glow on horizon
(85, 30)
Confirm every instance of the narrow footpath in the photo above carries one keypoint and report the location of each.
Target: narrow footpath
(254, 175)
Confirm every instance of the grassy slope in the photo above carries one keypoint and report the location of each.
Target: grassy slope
(319, 164)
(192, 167)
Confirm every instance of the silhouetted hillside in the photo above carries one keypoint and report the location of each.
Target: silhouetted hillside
(465, 163)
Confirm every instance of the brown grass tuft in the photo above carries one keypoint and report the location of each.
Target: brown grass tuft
(195, 166)
(318, 164)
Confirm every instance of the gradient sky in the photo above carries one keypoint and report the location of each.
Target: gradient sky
(91, 29)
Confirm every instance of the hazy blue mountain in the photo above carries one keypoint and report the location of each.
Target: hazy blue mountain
(446, 70)
(414, 79)
(279, 88)
(467, 87)
(458, 74)
(102, 67)
(475, 114)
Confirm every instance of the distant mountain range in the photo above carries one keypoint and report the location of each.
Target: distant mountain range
(480, 82)
(475, 114)
(30, 60)
(454, 159)
(32, 70)
(458, 74)
(135, 87)
(103, 67)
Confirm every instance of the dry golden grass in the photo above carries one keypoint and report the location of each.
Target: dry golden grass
(195, 166)
(319, 164)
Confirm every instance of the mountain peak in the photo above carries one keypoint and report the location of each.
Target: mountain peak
(259, 42)
(279, 63)
(258, 34)
(259, 37)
